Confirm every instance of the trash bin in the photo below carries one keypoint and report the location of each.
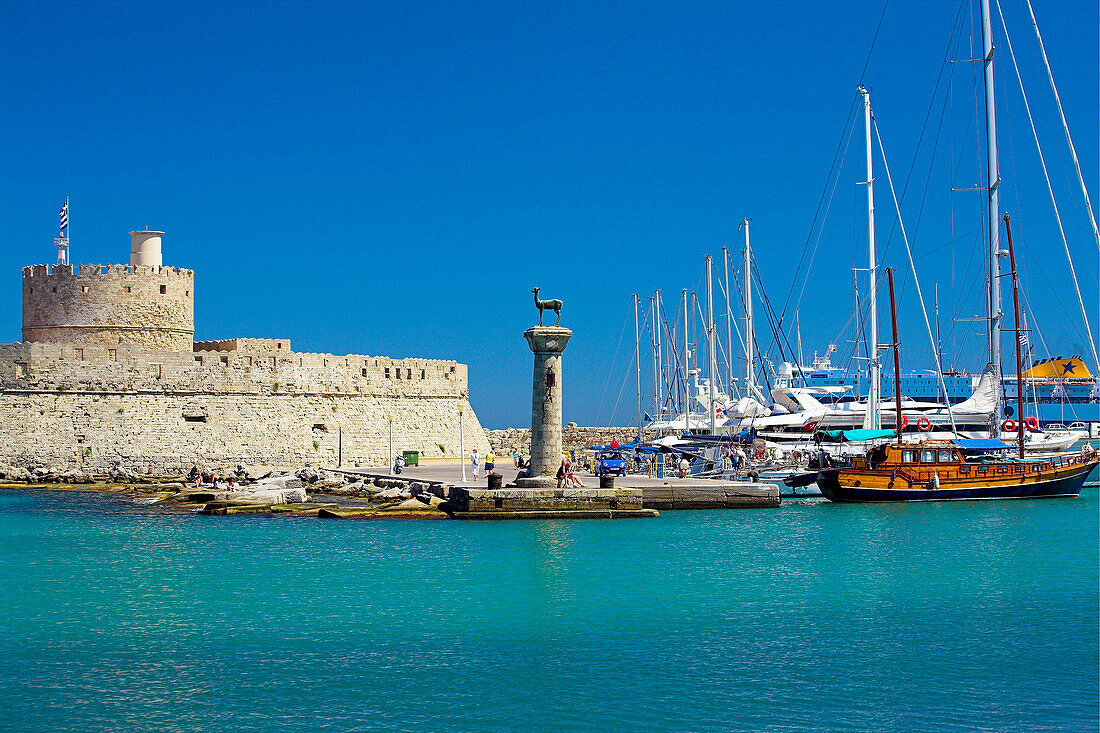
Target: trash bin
(494, 481)
(660, 469)
(412, 457)
(607, 482)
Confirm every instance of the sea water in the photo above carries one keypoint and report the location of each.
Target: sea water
(812, 616)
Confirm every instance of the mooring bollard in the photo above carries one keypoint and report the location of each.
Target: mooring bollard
(607, 482)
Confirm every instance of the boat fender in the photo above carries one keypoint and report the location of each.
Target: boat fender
(924, 424)
(904, 422)
(1032, 423)
(1008, 425)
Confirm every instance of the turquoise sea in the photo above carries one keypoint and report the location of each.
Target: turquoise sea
(814, 616)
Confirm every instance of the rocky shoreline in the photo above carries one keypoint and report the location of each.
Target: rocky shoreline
(304, 493)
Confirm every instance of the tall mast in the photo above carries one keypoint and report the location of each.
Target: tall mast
(687, 401)
(1019, 360)
(659, 375)
(750, 337)
(653, 345)
(993, 178)
(798, 333)
(638, 364)
(871, 419)
(939, 359)
(897, 354)
(710, 345)
(729, 322)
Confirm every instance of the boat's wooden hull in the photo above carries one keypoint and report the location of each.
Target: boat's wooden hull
(868, 485)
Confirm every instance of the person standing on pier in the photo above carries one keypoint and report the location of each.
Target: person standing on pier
(475, 463)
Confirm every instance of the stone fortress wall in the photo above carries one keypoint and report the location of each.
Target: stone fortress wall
(108, 375)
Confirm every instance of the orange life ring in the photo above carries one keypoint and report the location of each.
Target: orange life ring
(924, 424)
(1008, 425)
(761, 453)
(1032, 423)
(904, 422)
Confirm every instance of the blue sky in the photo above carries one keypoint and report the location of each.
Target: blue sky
(393, 179)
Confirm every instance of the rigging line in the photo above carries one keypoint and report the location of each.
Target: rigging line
(1046, 279)
(841, 143)
(611, 368)
(945, 244)
(615, 410)
(1042, 340)
(913, 269)
(820, 229)
(1050, 189)
(872, 48)
(769, 312)
(1065, 125)
(944, 65)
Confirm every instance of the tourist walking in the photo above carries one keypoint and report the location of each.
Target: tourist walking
(516, 460)
(475, 463)
(684, 466)
(490, 461)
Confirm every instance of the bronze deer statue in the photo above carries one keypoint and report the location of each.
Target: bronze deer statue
(553, 305)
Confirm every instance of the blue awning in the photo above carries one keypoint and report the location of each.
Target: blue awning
(851, 436)
(981, 445)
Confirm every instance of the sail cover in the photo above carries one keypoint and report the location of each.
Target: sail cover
(984, 399)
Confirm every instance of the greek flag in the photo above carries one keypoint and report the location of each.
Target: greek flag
(64, 215)
(1024, 346)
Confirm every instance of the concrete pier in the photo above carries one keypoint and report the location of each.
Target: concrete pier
(520, 503)
(709, 494)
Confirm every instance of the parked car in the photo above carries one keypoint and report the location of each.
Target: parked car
(610, 463)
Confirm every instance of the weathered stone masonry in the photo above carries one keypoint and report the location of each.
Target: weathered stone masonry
(108, 374)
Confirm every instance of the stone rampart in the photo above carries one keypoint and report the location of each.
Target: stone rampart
(503, 442)
(152, 307)
(93, 406)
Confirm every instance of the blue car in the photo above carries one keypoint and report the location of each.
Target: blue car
(610, 463)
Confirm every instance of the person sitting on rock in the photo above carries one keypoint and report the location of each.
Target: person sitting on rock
(561, 474)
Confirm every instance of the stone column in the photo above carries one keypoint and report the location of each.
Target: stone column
(548, 343)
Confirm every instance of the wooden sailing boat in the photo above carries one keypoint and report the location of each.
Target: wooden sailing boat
(942, 470)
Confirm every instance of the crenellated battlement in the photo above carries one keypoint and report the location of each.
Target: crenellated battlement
(167, 272)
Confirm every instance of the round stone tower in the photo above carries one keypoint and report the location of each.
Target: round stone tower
(143, 303)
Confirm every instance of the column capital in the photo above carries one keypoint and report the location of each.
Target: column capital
(547, 339)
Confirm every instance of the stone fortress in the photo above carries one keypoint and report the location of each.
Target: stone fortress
(108, 375)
